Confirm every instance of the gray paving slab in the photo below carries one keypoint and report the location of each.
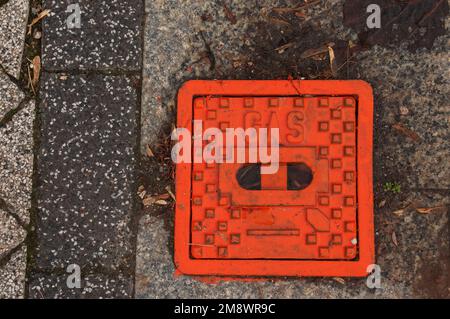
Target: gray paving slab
(86, 172)
(412, 247)
(16, 151)
(109, 36)
(92, 286)
(212, 40)
(10, 94)
(13, 22)
(410, 146)
(170, 44)
(12, 275)
(11, 233)
(16, 168)
(411, 100)
(422, 247)
(16, 161)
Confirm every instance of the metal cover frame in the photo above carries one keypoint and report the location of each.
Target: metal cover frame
(362, 91)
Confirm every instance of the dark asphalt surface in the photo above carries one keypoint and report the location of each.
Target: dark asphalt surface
(87, 156)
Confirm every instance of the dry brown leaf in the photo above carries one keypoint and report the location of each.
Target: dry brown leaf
(382, 203)
(320, 57)
(404, 110)
(142, 194)
(406, 131)
(339, 280)
(301, 15)
(316, 51)
(283, 48)
(40, 16)
(149, 152)
(394, 239)
(399, 212)
(161, 202)
(170, 192)
(148, 200)
(332, 60)
(36, 70)
(163, 196)
(427, 210)
(279, 21)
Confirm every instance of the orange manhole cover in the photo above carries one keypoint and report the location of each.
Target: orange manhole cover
(313, 216)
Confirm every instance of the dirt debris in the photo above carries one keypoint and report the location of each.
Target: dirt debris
(39, 17)
(417, 22)
(229, 14)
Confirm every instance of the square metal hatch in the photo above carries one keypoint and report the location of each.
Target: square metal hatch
(314, 217)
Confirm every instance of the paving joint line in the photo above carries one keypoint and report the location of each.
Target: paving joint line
(10, 114)
(31, 238)
(3, 2)
(89, 270)
(22, 84)
(31, 241)
(7, 208)
(5, 258)
(106, 72)
(13, 79)
(135, 214)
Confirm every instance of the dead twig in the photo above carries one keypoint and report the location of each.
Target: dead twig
(169, 190)
(39, 17)
(428, 210)
(291, 81)
(283, 48)
(149, 152)
(279, 21)
(394, 239)
(316, 51)
(332, 61)
(406, 131)
(30, 80)
(339, 280)
(301, 6)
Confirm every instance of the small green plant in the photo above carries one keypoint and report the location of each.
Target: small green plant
(392, 187)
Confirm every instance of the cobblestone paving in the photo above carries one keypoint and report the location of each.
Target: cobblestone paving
(13, 19)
